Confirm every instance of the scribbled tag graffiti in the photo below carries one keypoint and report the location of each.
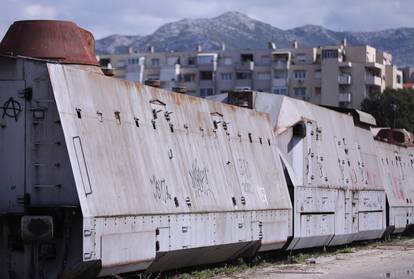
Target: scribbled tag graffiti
(199, 180)
(161, 192)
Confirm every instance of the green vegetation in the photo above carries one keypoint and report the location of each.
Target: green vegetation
(346, 250)
(226, 269)
(393, 108)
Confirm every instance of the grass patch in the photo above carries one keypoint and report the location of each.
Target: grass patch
(346, 250)
(210, 272)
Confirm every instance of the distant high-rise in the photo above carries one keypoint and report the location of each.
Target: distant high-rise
(339, 75)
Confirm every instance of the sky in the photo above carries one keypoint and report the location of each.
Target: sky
(142, 17)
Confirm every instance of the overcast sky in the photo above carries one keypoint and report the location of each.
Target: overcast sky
(142, 17)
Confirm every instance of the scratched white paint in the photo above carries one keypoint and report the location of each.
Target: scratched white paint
(335, 170)
(200, 173)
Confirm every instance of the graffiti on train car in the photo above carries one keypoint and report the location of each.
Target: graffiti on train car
(11, 108)
(161, 191)
(199, 179)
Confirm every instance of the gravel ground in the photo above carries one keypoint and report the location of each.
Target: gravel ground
(394, 259)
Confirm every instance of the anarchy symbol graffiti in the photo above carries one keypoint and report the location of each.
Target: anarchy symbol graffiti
(11, 108)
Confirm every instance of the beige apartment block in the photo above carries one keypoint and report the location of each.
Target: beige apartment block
(338, 75)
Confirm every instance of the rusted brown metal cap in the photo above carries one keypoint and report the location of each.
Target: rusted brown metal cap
(61, 41)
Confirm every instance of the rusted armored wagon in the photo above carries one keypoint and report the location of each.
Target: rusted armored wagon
(101, 176)
(349, 180)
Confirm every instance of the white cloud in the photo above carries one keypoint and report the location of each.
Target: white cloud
(39, 11)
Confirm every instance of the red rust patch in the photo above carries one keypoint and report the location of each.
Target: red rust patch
(61, 41)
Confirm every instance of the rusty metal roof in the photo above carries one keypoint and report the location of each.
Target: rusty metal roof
(61, 41)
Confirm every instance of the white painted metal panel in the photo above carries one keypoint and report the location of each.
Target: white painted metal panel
(188, 171)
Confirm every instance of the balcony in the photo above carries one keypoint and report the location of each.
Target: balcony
(245, 66)
(280, 82)
(344, 79)
(279, 64)
(345, 64)
(374, 65)
(344, 97)
(373, 80)
(169, 73)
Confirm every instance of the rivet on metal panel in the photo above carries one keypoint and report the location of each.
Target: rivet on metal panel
(118, 116)
(188, 201)
(100, 116)
(136, 121)
(233, 199)
(167, 115)
(243, 200)
(78, 113)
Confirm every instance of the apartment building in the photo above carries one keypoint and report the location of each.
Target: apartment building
(338, 75)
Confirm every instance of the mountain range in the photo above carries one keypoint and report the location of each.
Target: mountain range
(238, 31)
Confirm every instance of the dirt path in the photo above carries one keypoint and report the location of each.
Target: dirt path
(390, 260)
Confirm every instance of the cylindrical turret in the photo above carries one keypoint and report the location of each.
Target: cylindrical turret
(61, 41)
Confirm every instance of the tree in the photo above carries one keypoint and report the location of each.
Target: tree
(392, 108)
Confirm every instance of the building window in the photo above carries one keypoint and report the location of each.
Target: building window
(120, 64)
(245, 58)
(399, 79)
(280, 90)
(226, 76)
(133, 61)
(188, 77)
(317, 74)
(329, 53)
(300, 92)
(204, 92)
(191, 60)
(206, 75)
(205, 59)
(243, 75)
(263, 76)
(153, 77)
(317, 91)
(301, 58)
(301, 75)
(173, 60)
(155, 62)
